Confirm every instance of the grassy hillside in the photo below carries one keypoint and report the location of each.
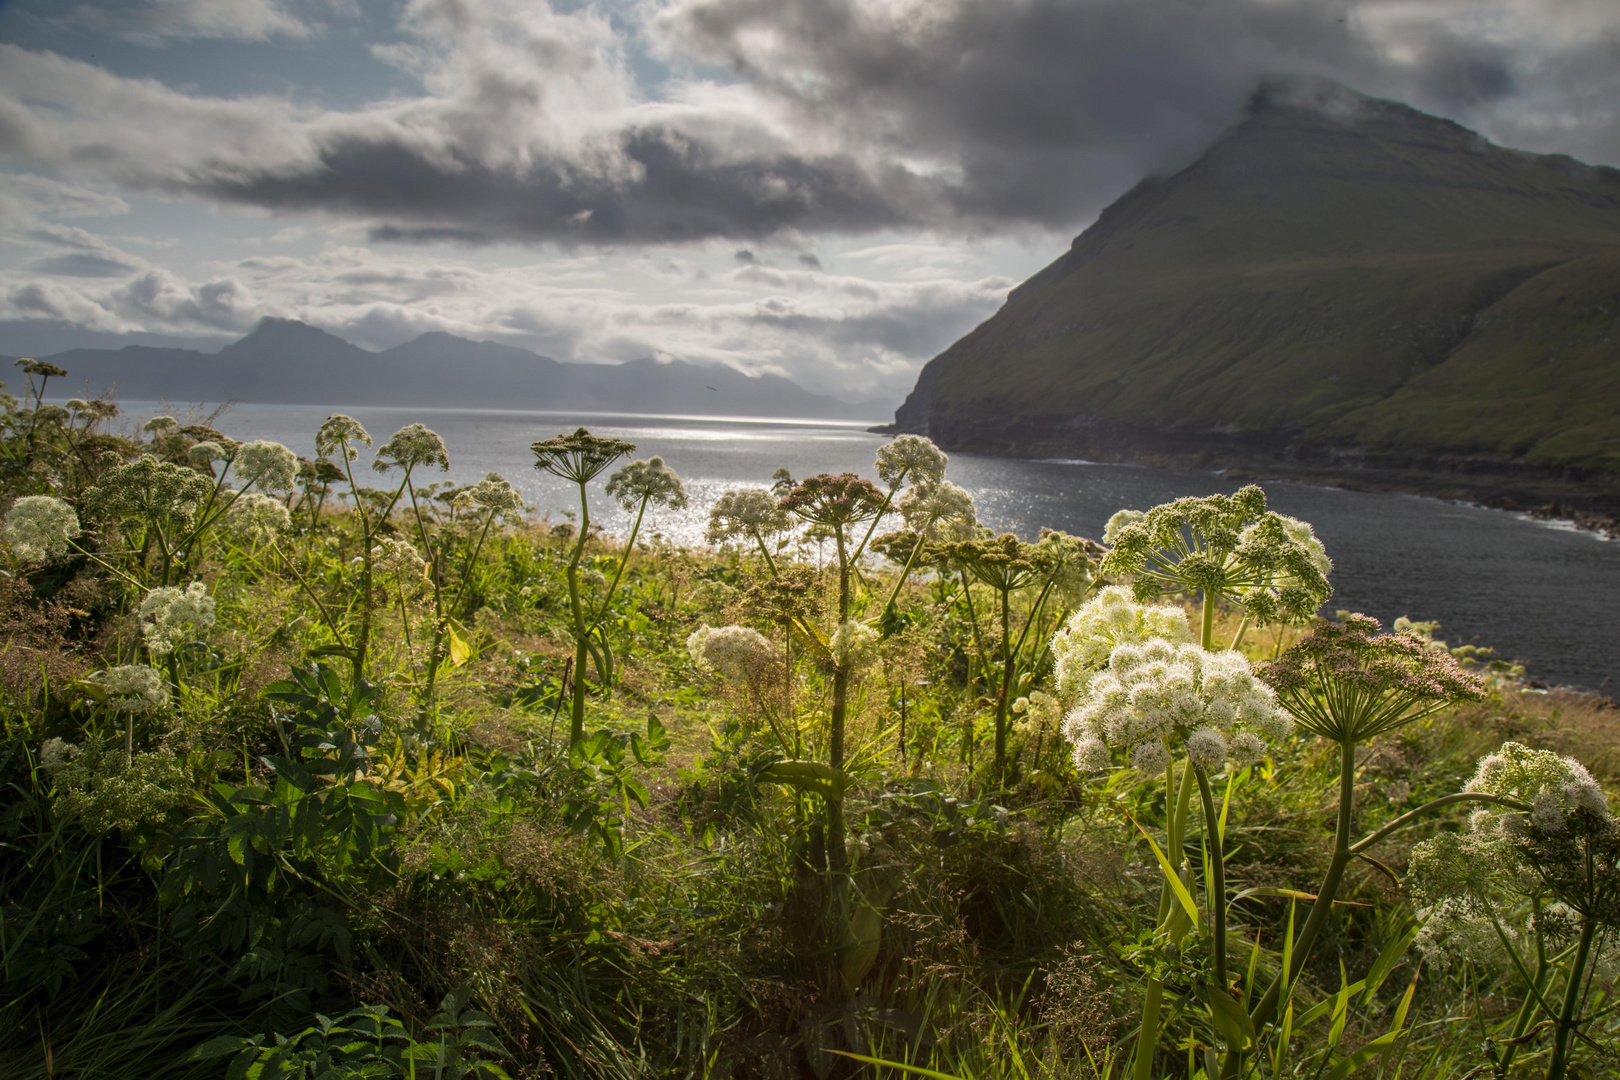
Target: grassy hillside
(1346, 273)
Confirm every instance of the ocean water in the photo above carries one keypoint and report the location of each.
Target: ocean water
(1544, 595)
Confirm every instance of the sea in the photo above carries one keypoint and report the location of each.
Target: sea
(1539, 592)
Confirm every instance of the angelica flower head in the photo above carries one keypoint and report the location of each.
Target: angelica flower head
(1347, 682)
(1119, 522)
(1082, 645)
(39, 527)
(270, 465)
(56, 754)
(1555, 787)
(203, 455)
(492, 494)
(131, 688)
(341, 434)
(650, 481)
(746, 513)
(172, 617)
(1163, 695)
(939, 511)
(148, 488)
(399, 558)
(834, 501)
(910, 457)
(732, 652)
(1223, 546)
(578, 457)
(412, 446)
(853, 645)
(161, 425)
(1456, 931)
(254, 519)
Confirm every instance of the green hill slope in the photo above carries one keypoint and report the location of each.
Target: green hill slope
(1337, 283)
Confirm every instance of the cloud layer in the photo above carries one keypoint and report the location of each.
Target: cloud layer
(813, 116)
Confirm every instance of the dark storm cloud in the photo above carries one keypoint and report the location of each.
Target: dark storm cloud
(82, 264)
(844, 116)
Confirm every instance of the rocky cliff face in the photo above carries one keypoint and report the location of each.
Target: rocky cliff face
(1339, 284)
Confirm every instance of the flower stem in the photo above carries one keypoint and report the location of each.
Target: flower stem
(1558, 1064)
(1216, 885)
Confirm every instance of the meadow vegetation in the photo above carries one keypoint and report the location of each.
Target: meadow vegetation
(317, 771)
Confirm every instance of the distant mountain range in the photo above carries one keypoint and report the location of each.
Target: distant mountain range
(1340, 287)
(284, 361)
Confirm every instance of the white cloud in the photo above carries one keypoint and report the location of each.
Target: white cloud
(155, 22)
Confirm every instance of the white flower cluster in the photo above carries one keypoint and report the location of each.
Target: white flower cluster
(732, 652)
(132, 688)
(1121, 520)
(203, 455)
(1082, 645)
(853, 645)
(1158, 694)
(1555, 787)
(939, 511)
(40, 526)
(744, 514)
(1457, 931)
(254, 518)
(1037, 711)
(56, 754)
(268, 464)
(1300, 533)
(910, 457)
(492, 494)
(398, 558)
(173, 617)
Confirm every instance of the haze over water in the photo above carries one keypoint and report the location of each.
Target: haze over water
(1533, 591)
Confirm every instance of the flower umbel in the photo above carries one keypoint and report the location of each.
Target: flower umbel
(173, 617)
(39, 527)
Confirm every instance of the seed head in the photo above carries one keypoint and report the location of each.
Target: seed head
(834, 501)
(578, 457)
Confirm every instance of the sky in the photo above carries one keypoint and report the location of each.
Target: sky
(830, 190)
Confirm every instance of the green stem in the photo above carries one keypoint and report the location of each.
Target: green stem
(1215, 850)
(1207, 640)
(1323, 905)
(1558, 1065)
(1434, 804)
(576, 715)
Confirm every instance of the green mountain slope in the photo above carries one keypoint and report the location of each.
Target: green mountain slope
(1339, 282)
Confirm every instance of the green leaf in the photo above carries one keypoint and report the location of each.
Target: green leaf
(902, 1066)
(1230, 1019)
(1182, 895)
(460, 650)
(1356, 1060)
(1387, 960)
(219, 1046)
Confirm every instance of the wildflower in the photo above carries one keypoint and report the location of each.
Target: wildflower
(410, 447)
(746, 512)
(1456, 931)
(834, 501)
(1038, 710)
(940, 511)
(853, 645)
(912, 457)
(1555, 787)
(56, 754)
(74, 404)
(1160, 694)
(579, 457)
(131, 688)
(39, 527)
(341, 434)
(147, 488)
(268, 464)
(732, 652)
(161, 425)
(174, 617)
(1119, 522)
(254, 519)
(399, 558)
(1220, 545)
(1346, 682)
(492, 494)
(1081, 647)
(642, 482)
(203, 455)
(107, 789)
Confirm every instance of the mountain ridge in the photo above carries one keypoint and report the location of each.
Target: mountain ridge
(1340, 288)
(286, 361)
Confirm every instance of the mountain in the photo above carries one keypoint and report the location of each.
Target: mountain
(289, 362)
(1341, 286)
